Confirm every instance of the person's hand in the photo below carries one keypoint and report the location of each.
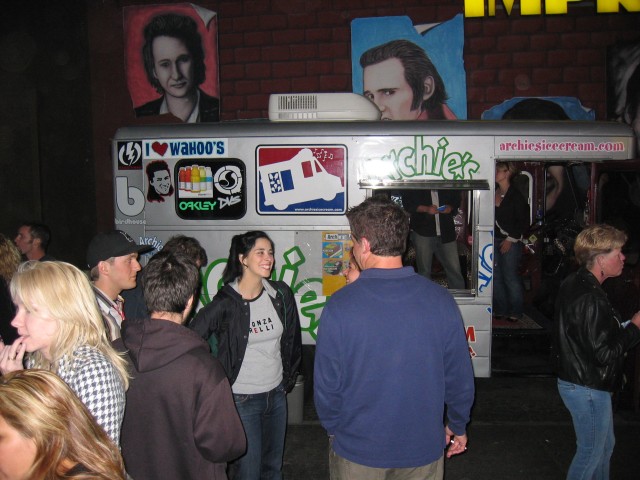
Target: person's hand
(11, 356)
(505, 246)
(430, 209)
(457, 444)
(636, 319)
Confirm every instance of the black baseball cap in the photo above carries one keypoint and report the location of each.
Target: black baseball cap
(112, 244)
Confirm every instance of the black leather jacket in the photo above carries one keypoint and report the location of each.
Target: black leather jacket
(590, 342)
(226, 319)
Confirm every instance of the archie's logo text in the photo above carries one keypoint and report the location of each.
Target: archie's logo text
(476, 8)
(422, 159)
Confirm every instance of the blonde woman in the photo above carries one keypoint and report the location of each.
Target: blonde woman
(9, 261)
(49, 434)
(9, 258)
(60, 329)
(592, 341)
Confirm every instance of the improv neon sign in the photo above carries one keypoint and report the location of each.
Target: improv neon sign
(476, 8)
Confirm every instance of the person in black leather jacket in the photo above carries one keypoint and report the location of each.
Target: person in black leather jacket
(511, 222)
(591, 342)
(253, 327)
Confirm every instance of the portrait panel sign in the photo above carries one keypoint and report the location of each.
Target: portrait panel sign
(171, 61)
(411, 72)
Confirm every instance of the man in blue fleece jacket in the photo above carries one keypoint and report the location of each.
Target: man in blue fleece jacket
(391, 353)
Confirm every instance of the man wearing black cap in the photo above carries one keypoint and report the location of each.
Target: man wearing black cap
(113, 261)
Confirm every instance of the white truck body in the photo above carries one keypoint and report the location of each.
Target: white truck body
(296, 181)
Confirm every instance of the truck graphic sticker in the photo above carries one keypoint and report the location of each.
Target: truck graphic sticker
(210, 189)
(301, 180)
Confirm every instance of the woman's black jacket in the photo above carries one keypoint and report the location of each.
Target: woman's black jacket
(225, 324)
(590, 341)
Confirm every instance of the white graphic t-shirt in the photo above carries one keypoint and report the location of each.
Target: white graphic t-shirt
(261, 369)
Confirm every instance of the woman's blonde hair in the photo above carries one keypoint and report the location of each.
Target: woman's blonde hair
(65, 292)
(597, 240)
(9, 258)
(511, 168)
(42, 408)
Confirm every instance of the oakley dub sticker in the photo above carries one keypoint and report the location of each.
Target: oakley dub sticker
(211, 189)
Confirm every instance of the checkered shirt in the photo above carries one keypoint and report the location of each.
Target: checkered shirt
(97, 383)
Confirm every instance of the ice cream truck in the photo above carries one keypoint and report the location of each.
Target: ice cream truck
(296, 181)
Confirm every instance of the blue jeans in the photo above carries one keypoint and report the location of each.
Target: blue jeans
(447, 254)
(264, 417)
(508, 293)
(593, 423)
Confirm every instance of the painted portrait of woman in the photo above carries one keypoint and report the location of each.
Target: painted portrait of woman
(171, 58)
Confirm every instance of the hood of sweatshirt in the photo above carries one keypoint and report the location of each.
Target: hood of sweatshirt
(154, 343)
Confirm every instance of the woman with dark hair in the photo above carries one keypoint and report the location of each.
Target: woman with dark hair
(174, 63)
(351, 272)
(47, 433)
(252, 323)
(511, 221)
(591, 343)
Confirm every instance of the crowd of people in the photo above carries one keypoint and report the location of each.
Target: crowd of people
(91, 392)
(128, 373)
(87, 393)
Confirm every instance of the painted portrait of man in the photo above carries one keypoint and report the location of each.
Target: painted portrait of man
(402, 81)
(171, 58)
(410, 72)
(159, 178)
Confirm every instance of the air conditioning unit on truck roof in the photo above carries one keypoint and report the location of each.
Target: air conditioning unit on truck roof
(296, 107)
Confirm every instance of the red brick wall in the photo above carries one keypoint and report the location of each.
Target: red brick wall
(290, 46)
(542, 56)
(280, 46)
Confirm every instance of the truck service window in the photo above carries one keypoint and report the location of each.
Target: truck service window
(441, 241)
